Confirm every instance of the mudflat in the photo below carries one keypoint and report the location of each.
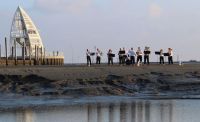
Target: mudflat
(102, 80)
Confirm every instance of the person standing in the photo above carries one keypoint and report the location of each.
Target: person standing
(110, 57)
(170, 57)
(88, 57)
(98, 56)
(132, 54)
(146, 55)
(161, 56)
(120, 56)
(124, 56)
(139, 55)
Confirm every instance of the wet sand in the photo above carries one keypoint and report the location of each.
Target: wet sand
(171, 81)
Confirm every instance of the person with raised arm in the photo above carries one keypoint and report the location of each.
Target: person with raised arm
(88, 57)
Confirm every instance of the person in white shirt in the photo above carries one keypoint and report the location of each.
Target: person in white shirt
(139, 55)
(132, 54)
(98, 56)
(170, 57)
(161, 56)
(88, 57)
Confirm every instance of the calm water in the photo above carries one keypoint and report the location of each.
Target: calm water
(134, 111)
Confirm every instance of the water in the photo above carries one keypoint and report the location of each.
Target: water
(116, 111)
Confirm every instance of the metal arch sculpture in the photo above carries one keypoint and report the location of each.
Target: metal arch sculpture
(24, 31)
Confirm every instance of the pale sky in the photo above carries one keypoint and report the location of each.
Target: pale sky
(72, 26)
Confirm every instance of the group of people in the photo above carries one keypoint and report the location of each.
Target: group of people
(169, 54)
(129, 57)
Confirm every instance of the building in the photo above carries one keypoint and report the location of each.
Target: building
(26, 43)
(24, 31)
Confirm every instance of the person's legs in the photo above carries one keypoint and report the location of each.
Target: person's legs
(123, 60)
(120, 60)
(138, 59)
(147, 59)
(132, 60)
(160, 59)
(87, 60)
(99, 60)
(90, 61)
(110, 61)
(169, 59)
(163, 60)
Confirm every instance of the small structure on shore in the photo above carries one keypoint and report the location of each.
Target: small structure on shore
(26, 44)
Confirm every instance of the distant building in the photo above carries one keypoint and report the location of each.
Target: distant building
(24, 31)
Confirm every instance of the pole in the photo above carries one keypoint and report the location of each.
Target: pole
(6, 51)
(15, 52)
(41, 56)
(12, 52)
(35, 54)
(0, 50)
(30, 54)
(23, 53)
(44, 56)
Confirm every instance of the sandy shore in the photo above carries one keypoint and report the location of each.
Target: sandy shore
(76, 81)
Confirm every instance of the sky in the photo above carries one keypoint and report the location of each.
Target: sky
(72, 26)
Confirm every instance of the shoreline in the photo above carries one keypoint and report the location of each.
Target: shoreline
(147, 80)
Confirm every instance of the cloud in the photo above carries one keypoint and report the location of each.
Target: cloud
(74, 6)
(154, 10)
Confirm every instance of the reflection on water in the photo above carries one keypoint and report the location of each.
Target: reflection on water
(135, 111)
